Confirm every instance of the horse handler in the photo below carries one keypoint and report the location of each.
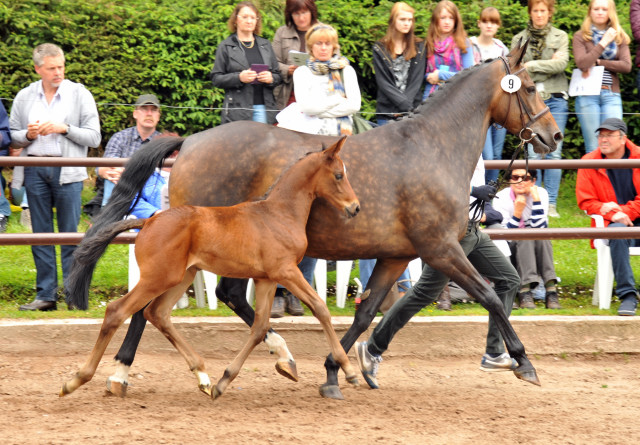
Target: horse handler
(486, 258)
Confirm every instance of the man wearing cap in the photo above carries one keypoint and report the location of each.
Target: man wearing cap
(53, 117)
(614, 194)
(126, 142)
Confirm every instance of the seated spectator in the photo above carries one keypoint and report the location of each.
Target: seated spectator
(615, 195)
(524, 204)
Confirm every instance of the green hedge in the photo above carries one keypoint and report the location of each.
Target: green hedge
(120, 50)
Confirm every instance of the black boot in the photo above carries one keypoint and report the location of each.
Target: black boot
(444, 300)
(277, 310)
(293, 305)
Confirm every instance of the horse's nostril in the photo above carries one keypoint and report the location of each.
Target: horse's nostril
(558, 136)
(357, 210)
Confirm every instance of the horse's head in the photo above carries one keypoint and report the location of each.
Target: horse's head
(519, 108)
(332, 183)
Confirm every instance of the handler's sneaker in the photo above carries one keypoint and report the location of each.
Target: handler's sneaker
(368, 364)
(503, 362)
(628, 306)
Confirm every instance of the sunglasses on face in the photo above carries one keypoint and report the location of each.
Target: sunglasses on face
(518, 178)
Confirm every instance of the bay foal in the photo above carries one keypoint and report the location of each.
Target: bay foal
(263, 240)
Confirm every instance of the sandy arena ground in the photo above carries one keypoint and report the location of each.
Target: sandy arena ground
(432, 389)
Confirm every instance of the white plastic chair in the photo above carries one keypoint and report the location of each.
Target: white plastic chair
(603, 285)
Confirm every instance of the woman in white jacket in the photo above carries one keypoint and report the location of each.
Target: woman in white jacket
(327, 87)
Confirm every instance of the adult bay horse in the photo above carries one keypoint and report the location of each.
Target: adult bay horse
(412, 178)
(263, 240)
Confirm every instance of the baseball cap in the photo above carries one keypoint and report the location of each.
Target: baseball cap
(148, 99)
(613, 124)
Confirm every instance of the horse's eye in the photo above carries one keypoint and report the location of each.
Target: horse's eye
(531, 90)
(339, 176)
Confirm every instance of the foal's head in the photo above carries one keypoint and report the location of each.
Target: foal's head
(331, 182)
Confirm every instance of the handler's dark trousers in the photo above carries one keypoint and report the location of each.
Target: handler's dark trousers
(486, 258)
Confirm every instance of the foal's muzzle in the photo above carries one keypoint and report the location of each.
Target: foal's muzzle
(352, 209)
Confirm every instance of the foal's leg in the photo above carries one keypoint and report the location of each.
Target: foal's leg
(385, 273)
(265, 291)
(232, 292)
(117, 312)
(159, 314)
(295, 282)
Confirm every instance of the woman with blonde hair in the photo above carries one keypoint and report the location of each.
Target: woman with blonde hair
(601, 41)
(326, 88)
(448, 48)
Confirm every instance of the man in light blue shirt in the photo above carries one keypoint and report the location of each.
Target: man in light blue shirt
(53, 117)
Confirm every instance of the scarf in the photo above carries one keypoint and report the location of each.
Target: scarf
(611, 51)
(333, 68)
(445, 53)
(538, 41)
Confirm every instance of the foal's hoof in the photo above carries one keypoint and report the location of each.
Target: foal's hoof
(64, 391)
(206, 389)
(353, 379)
(288, 369)
(331, 392)
(528, 374)
(117, 388)
(215, 393)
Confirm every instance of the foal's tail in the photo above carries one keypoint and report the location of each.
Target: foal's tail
(137, 172)
(87, 255)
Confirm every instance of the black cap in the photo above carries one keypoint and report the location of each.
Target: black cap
(148, 99)
(613, 124)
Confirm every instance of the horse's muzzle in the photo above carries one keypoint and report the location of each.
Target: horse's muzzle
(352, 209)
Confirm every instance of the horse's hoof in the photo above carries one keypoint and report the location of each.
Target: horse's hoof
(215, 393)
(205, 389)
(353, 379)
(63, 390)
(288, 369)
(117, 388)
(331, 392)
(528, 374)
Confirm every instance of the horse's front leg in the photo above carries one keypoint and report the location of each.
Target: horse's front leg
(458, 267)
(232, 292)
(117, 312)
(265, 291)
(385, 273)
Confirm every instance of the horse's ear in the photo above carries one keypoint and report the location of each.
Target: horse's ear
(335, 148)
(518, 53)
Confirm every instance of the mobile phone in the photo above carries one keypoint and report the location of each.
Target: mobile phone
(258, 68)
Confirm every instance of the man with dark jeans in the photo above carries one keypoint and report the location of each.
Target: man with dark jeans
(615, 195)
(53, 117)
(490, 262)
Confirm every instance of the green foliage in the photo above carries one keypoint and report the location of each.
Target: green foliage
(122, 49)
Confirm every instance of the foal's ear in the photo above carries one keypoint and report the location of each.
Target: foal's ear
(518, 52)
(333, 151)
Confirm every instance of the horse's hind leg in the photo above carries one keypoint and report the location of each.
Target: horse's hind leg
(385, 273)
(265, 291)
(159, 314)
(232, 292)
(117, 312)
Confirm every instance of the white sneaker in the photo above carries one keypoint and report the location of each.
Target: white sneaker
(553, 212)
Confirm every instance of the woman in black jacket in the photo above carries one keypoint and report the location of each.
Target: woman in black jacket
(247, 69)
(399, 63)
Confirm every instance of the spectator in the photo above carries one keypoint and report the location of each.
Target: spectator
(601, 41)
(246, 68)
(486, 258)
(326, 88)
(126, 142)
(491, 48)
(546, 59)
(5, 141)
(524, 204)
(398, 63)
(53, 117)
(634, 19)
(299, 16)
(615, 195)
(448, 49)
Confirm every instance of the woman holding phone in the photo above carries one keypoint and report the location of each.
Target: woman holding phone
(247, 69)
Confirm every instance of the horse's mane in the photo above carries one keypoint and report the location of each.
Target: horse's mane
(435, 100)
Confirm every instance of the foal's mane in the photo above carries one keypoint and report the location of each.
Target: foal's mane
(266, 194)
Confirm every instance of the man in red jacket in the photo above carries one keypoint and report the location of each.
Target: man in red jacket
(614, 194)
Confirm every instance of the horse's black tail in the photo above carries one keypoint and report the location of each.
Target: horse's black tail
(87, 255)
(137, 172)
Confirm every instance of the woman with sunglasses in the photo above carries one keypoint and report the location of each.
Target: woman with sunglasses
(524, 204)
